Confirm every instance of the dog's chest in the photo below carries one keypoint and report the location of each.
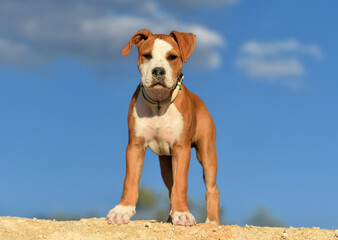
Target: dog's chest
(160, 129)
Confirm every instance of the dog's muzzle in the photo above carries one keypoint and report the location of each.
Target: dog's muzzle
(158, 74)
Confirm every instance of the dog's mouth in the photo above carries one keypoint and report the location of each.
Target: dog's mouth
(158, 85)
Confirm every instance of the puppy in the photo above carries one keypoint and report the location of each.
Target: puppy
(169, 119)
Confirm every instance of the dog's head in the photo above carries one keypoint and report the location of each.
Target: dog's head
(161, 56)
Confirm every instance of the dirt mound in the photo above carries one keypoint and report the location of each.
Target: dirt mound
(98, 229)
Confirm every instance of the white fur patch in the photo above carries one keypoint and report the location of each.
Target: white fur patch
(182, 218)
(160, 129)
(210, 222)
(159, 59)
(120, 214)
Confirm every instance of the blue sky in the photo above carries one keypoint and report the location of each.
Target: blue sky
(267, 70)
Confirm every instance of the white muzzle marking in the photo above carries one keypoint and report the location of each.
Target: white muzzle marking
(159, 53)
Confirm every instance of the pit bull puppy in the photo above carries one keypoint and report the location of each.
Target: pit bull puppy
(169, 119)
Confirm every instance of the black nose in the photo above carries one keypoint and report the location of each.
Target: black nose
(158, 73)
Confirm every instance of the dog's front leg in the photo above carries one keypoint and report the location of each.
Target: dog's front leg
(180, 214)
(122, 213)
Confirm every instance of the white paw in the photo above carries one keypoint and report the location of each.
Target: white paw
(210, 222)
(182, 218)
(120, 214)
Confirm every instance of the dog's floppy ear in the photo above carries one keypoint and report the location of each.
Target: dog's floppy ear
(136, 39)
(186, 43)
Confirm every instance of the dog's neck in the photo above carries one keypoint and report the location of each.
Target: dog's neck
(159, 94)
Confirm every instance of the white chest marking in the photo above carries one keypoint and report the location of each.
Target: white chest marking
(160, 130)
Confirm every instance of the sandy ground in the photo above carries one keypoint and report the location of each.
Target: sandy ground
(98, 229)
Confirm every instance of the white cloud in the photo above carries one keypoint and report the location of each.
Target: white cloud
(95, 32)
(11, 51)
(276, 62)
(280, 47)
(198, 3)
(271, 68)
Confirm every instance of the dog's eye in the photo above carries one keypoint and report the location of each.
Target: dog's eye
(147, 55)
(172, 57)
